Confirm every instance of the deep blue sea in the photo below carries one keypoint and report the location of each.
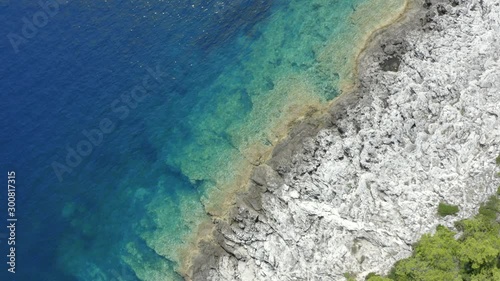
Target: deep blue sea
(118, 117)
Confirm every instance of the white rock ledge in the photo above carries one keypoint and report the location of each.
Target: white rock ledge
(356, 195)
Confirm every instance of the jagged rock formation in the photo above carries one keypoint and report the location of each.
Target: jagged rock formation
(351, 192)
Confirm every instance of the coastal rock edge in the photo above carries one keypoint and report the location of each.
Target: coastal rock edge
(352, 191)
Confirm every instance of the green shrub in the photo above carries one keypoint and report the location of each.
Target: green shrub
(375, 277)
(490, 208)
(378, 278)
(370, 275)
(349, 276)
(447, 210)
(475, 255)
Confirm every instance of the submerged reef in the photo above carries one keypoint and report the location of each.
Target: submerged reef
(352, 189)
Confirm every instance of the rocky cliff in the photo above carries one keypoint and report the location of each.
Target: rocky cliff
(351, 192)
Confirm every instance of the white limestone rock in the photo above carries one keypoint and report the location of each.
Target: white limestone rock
(354, 196)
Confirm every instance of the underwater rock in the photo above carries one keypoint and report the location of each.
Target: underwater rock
(351, 192)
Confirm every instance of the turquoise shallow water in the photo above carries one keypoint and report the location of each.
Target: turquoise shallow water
(223, 79)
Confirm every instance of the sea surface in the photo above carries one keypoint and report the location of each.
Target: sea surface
(123, 119)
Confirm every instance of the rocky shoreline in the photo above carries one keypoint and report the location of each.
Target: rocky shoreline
(352, 190)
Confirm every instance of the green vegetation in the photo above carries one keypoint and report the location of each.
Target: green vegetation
(374, 277)
(350, 276)
(447, 210)
(474, 256)
(490, 209)
(379, 278)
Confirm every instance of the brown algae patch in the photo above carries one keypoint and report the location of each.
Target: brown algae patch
(285, 81)
(340, 58)
(294, 97)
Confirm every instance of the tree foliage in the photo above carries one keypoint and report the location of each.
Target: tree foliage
(474, 255)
